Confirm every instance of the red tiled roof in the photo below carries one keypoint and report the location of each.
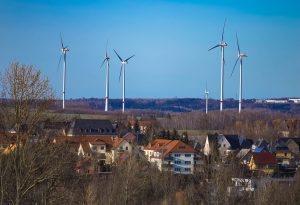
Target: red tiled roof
(117, 142)
(157, 144)
(178, 147)
(170, 146)
(98, 142)
(264, 158)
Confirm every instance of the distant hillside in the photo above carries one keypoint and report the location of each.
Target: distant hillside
(176, 105)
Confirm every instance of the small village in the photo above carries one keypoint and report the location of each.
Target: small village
(100, 145)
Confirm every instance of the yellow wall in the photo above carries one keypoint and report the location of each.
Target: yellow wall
(265, 170)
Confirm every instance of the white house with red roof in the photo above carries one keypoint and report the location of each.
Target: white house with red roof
(123, 145)
(171, 155)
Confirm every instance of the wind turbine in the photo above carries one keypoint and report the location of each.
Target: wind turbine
(222, 45)
(239, 58)
(206, 99)
(106, 59)
(123, 63)
(64, 50)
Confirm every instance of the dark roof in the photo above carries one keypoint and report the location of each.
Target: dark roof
(233, 141)
(212, 137)
(246, 144)
(285, 139)
(264, 158)
(282, 148)
(261, 143)
(92, 127)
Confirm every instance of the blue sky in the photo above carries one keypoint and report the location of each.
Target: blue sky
(169, 38)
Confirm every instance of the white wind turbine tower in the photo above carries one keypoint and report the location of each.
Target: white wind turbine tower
(206, 99)
(222, 45)
(239, 58)
(106, 59)
(64, 50)
(123, 63)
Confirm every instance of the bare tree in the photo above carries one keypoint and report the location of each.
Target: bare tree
(32, 166)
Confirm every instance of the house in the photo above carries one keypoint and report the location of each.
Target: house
(225, 144)
(293, 143)
(283, 155)
(121, 146)
(91, 127)
(228, 144)
(264, 162)
(142, 124)
(172, 155)
(94, 152)
(55, 127)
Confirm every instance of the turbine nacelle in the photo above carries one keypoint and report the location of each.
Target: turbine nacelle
(65, 49)
(242, 55)
(223, 44)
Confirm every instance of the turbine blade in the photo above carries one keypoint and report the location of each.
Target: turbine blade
(129, 57)
(213, 47)
(223, 30)
(237, 41)
(234, 66)
(120, 72)
(106, 49)
(102, 63)
(61, 41)
(118, 55)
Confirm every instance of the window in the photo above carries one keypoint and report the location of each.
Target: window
(224, 145)
(126, 148)
(177, 155)
(187, 162)
(177, 169)
(188, 155)
(181, 147)
(177, 162)
(187, 169)
(102, 147)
